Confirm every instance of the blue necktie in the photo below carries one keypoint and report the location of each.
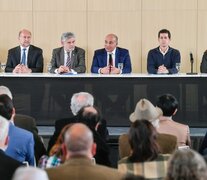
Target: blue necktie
(24, 57)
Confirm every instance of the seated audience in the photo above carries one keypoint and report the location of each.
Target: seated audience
(28, 123)
(90, 116)
(8, 165)
(144, 159)
(78, 101)
(169, 105)
(21, 142)
(186, 164)
(203, 147)
(30, 173)
(81, 149)
(145, 110)
(57, 154)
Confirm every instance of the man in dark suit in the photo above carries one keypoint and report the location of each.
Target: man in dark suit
(81, 149)
(25, 58)
(78, 101)
(68, 58)
(8, 165)
(21, 144)
(28, 123)
(111, 59)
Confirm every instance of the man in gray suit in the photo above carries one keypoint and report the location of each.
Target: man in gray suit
(80, 151)
(68, 58)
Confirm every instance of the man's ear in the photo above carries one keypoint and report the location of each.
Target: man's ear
(93, 149)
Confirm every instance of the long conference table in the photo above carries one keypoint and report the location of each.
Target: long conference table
(47, 96)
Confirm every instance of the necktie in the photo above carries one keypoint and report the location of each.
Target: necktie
(24, 57)
(110, 60)
(68, 63)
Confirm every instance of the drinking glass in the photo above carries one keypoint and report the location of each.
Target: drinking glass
(3, 66)
(178, 67)
(120, 66)
(49, 66)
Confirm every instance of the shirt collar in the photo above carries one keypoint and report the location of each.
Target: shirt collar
(113, 52)
(165, 51)
(24, 48)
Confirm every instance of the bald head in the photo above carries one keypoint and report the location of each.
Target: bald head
(79, 140)
(111, 42)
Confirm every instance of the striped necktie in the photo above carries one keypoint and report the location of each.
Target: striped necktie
(68, 62)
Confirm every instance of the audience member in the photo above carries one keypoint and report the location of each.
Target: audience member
(21, 142)
(163, 59)
(90, 116)
(25, 58)
(106, 60)
(28, 123)
(169, 105)
(30, 173)
(68, 58)
(57, 153)
(78, 101)
(186, 164)
(8, 165)
(145, 110)
(145, 159)
(203, 147)
(81, 149)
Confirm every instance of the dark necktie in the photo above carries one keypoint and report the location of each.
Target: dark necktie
(68, 63)
(110, 60)
(24, 57)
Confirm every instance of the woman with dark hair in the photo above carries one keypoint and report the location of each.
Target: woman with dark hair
(145, 159)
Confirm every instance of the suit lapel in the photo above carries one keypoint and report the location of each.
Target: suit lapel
(29, 56)
(104, 58)
(74, 57)
(62, 56)
(18, 55)
(117, 57)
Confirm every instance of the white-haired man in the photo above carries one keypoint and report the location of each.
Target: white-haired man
(8, 165)
(80, 150)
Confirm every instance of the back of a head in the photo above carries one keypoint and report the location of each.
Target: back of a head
(6, 106)
(80, 100)
(168, 103)
(79, 140)
(4, 128)
(30, 173)
(89, 116)
(142, 139)
(186, 164)
(5, 90)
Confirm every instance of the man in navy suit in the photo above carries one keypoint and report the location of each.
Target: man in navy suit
(8, 165)
(21, 142)
(119, 63)
(25, 58)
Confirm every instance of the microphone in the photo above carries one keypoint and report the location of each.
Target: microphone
(191, 57)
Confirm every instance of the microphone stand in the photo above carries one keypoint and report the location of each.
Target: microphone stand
(191, 64)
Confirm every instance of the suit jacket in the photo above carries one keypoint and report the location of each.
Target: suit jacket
(203, 147)
(102, 151)
(181, 131)
(34, 59)
(80, 168)
(8, 166)
(203, 67)
(21, 144)
(167, 144)
(28, 123)
(77, 58)
(121, 56)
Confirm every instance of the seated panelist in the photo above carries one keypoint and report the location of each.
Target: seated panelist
(163, 59)
(68, 58)
(111, 59)
(25, 58)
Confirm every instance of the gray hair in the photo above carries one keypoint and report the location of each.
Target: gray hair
(67, 35)
(31, 173)
(5, 90)
(78, 139)
(4, 128)
(186, 164)
(80, 100)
